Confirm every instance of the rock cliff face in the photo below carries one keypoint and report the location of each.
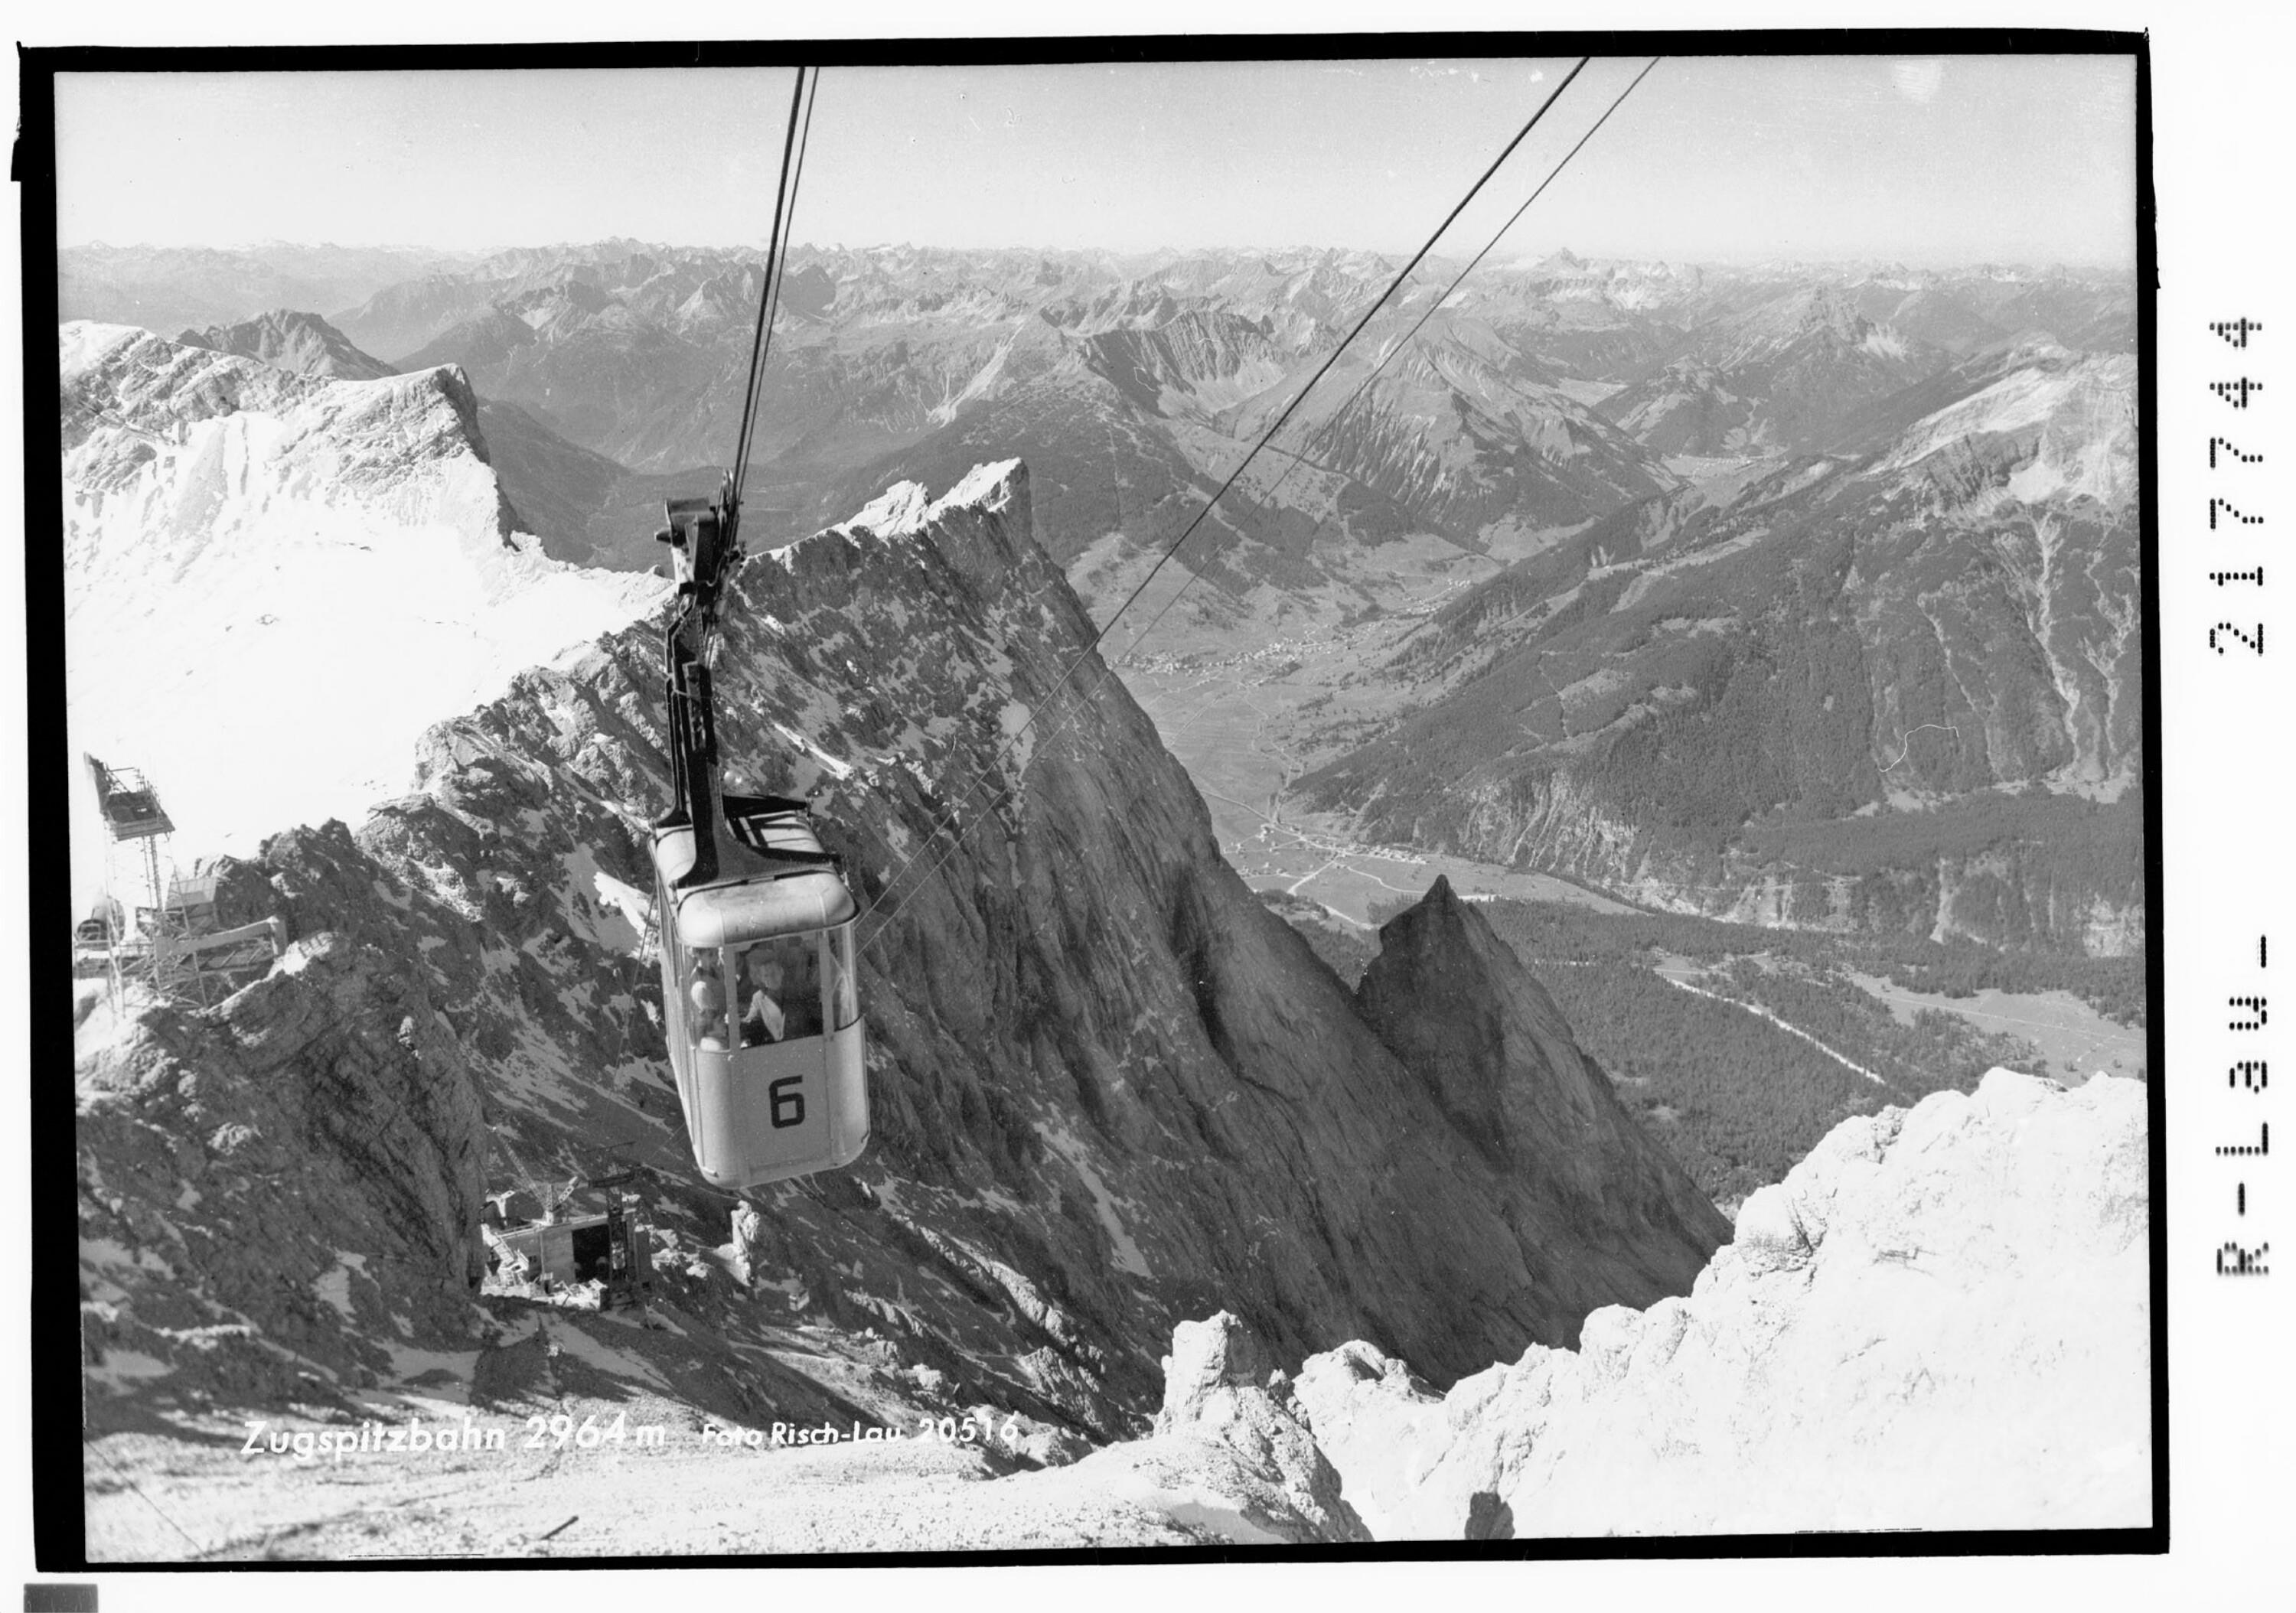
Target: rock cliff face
(1454, 1003)
(1939, 1320)
(1228, 1415)
(279, 1197)
(1110, 1088)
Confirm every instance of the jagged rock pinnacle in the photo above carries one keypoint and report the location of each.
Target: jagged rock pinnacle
(1453, 1002)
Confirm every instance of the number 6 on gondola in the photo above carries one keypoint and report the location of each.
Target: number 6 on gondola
(787, 1098)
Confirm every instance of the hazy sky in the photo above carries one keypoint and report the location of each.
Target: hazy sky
(1936, 161)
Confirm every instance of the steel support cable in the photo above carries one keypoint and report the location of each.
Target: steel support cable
(777, 266)
(1325, 369)
(761, 337)
(781, 279)
(780, 262)
(1061, 683)
(1394, 351)
(766, 291)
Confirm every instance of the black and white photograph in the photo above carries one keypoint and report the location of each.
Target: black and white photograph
(1166, 796)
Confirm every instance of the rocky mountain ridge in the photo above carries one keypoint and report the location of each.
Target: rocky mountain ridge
(1889, 685)
(557, 490)
(288, 339)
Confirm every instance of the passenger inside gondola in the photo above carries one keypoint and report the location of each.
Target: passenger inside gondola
(762, 1021)
(781, 990)
(708, 1000)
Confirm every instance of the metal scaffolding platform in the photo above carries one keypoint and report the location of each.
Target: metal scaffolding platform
(172, 940)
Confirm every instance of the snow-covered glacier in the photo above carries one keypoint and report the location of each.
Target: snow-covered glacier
(274, 582)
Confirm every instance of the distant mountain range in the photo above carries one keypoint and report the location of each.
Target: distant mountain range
(1142, 373)
(1892, 681)
(1145, 370)
(1772, 377)
(167, 288)
(1900, 499)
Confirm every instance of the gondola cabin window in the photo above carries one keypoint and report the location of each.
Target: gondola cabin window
(786, 989)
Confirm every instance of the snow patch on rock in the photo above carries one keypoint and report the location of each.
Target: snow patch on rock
(898, 511)
(906, 509)
(2083, 415)
(987, 486)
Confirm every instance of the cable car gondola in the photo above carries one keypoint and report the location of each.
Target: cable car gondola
(760, 999)
(758, 991)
